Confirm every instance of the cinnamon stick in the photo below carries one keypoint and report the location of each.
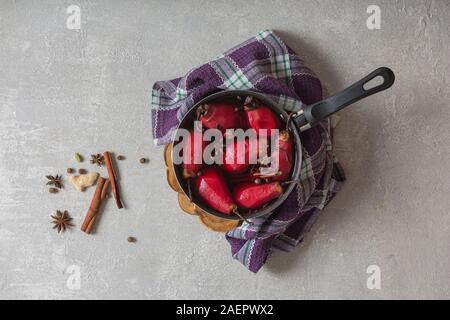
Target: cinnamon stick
(113, 179)
(94, 207)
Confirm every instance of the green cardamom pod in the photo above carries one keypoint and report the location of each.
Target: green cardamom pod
(78, 157)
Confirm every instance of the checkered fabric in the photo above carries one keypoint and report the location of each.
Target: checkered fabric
(264, 64)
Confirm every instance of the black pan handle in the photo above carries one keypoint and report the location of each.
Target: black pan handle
(311, 115)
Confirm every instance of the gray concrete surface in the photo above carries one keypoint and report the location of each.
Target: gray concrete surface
(64, 91)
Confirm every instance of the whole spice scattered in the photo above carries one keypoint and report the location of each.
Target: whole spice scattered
(83, 181)
(54, 181)
(70, 170)
(132, 239)
(82, 171)
(120, 157)
(52, 190)
(113, 179)
(97, 159)
(143, 160)
(78, 157)
(62, 221)
(94, 207)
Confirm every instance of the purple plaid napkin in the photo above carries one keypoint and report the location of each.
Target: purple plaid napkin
(265, 64)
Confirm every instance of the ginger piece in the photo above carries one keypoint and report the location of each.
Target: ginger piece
(83, 181)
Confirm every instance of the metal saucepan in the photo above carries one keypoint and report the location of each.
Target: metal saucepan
(303, 120)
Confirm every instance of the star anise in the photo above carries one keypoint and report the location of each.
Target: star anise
(55, 181)
(97, 158)
(62, 221)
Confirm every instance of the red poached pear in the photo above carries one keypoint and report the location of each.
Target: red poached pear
(193, 154)
(286, 143)
(282, 160)
(220, 116)
(254, 196)
(239, 155)
(259, 117)
(212, 188)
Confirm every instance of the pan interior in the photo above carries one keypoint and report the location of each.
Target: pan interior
(231, 96)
